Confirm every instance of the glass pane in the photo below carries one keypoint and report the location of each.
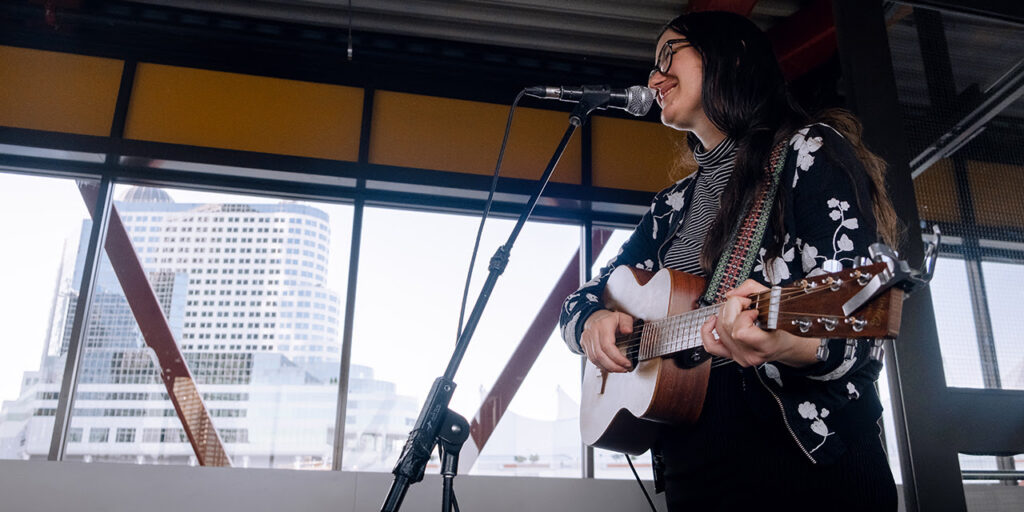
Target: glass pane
(42, 221)
(954, 321)
(609, 464)
(251, 290)
(412, 273)
(1002, 288)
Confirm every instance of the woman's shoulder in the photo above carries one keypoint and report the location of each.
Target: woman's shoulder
(673, 194)
(816, 134)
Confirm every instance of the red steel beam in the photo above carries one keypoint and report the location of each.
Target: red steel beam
(529, 348)
(802, 41)
(805, 40)
(181, 388)
(742, 7)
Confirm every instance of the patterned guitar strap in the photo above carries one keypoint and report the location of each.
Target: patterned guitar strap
(738, 259)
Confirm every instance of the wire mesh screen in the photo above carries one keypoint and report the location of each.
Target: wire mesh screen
(960, 81)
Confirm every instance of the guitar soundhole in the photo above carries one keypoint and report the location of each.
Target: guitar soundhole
(629, 344)
(634, 358)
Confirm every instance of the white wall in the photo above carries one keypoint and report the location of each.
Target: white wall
(78, 487)
(29, 486)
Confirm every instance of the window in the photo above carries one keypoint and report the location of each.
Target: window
(125, 435)
(382, 385)
(37, 279)
(98, 435)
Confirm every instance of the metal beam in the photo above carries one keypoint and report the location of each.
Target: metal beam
(344, 372)
(97, 234)
(1006, 10)
(805, 40)
(741, 7)
(930, 472)
(1003, 93)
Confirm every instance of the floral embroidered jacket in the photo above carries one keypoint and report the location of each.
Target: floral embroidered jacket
(826, 228)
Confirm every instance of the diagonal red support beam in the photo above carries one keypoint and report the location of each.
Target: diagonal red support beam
(802, 41)
(742, 7)
(525, 354)
(805, 40)
(195, 419)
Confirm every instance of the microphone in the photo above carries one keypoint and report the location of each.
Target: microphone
(636, 100)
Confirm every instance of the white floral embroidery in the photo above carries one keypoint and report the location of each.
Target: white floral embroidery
(777, 270)
(852, 391)
(805, 146)
(569, 330)
(841, 243)
(838, 372)
(809, 411)
(591, 297)
(676, 200)
(773, 373)
(648, 264)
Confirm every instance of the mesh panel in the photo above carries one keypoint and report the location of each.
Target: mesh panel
(946, 67)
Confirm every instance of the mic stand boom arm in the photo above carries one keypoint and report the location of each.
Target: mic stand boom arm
(424, 435)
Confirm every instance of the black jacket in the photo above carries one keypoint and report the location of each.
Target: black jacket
(828, 222)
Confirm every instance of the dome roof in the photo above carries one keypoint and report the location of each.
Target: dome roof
(146, 195)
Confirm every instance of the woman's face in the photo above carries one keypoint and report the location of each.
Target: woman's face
(678, 89)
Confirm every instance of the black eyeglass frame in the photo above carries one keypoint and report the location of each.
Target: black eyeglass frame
(665, 53)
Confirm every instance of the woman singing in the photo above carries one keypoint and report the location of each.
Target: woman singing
(786, 424)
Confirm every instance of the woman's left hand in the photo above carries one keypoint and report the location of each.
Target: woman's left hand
(741, 340)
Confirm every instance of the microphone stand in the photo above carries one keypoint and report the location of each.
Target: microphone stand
(436, 422)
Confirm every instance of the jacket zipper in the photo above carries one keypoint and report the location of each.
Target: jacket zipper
(784, 420)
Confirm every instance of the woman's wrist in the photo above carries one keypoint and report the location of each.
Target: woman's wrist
(799, 352)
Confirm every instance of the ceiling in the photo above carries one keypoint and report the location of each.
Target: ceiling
(600, 28)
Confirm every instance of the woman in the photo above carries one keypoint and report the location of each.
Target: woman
(788, 422)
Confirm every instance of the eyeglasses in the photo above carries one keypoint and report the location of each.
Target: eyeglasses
(665, 54)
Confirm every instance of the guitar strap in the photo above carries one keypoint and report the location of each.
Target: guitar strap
(738, 259)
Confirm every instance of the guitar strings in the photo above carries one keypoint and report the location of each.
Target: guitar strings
(676, 318)
(631, 342)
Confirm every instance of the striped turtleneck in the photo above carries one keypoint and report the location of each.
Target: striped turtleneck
(715, 169)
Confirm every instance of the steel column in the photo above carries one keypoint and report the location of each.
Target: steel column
(930, 472)
(65, 401)
(353, 274)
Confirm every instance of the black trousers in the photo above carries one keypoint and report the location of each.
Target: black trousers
(736, 459)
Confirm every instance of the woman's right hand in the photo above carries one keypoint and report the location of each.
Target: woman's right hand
(598, 339)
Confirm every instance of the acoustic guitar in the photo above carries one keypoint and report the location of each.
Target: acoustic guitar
(669, 377)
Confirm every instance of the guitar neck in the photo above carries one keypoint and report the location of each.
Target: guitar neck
(672, 334)
(811, 308)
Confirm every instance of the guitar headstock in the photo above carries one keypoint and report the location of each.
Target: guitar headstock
(814, 307)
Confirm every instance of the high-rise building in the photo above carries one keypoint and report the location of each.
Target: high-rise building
(243, 289)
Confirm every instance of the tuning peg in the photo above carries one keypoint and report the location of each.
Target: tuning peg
(861, 261)
(829, 323)
(803, 324)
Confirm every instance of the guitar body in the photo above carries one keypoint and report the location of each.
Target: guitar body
(622, 411)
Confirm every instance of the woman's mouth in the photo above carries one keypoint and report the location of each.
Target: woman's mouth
(662, 92)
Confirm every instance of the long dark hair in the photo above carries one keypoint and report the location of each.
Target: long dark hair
(745, 95)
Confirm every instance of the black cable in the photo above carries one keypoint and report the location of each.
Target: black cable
(487, 210)
(642, 488)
